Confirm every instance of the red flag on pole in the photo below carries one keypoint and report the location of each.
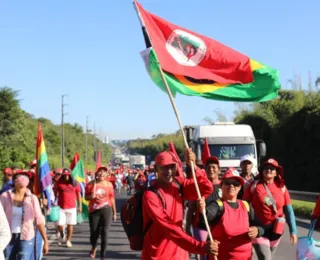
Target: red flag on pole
(173, 150)
(98, 163)
(205, 152)
(75, 160)
(184, 52)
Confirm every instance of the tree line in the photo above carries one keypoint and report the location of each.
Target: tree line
(18, 133)
(290, 126)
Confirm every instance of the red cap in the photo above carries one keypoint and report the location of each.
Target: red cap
(32, 163)
(232, 173)
(212, 159)
(102, 167)
(165, 158)
(275, 164)
(59, 170)
(7, 171)
(24, 172)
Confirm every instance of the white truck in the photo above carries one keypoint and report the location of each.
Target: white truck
(126, 161)
(227, 141)
(137, 161)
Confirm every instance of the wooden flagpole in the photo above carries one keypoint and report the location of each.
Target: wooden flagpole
(181, 128)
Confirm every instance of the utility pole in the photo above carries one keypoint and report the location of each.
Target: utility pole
(87, 126)
(62, 128)
(94, 142)
(310, 83)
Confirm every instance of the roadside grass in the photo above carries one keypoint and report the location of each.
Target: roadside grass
(303, 208)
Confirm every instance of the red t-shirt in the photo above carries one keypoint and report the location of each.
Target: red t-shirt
(261, 202)
(232, 233)
(104, 196)
(67, 194)
(166, 239)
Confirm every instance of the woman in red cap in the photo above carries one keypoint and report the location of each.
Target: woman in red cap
(271, 202)
(102, 207)
(22, 210)
(232, 221)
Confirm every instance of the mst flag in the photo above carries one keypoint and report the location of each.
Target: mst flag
(264, 87)
(183, 52)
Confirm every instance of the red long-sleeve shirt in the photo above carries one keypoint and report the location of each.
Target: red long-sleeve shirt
(165, 239)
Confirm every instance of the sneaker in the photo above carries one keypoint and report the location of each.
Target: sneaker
(61, 239)
(68, 244)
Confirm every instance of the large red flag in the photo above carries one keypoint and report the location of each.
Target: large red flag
(98, 163)
(183, 52)
(75, 160)
(173, 150)
(205, 152)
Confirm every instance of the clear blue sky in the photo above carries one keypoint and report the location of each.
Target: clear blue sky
(90, 50)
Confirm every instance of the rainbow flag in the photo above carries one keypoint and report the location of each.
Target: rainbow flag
(264, 87)
(42, 178)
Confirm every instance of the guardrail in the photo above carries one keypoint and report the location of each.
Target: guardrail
(303, 195)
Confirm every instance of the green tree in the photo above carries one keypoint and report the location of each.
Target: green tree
(18, 132)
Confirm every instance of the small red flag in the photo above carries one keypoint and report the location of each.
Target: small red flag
(75, 160)
(173, 150)
(205, 152)
(183, 52)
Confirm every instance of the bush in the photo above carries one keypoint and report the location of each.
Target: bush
(303, 208)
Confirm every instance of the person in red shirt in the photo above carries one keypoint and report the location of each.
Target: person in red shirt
(232, 221)
(100, 194)
(68, 194)
(165, 239)
(271, 202)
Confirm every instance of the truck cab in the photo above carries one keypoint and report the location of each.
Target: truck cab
(227, 141)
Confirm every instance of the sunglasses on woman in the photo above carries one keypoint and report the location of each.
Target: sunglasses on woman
(235, 183)
(271, 168)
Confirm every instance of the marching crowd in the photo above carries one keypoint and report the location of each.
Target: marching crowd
(246, 212)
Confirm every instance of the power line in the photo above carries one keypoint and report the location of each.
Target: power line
(87, 130)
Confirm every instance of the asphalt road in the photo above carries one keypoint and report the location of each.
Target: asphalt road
(118, 244)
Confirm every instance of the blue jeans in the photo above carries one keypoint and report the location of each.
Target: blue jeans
(39, 246)
(18, 249)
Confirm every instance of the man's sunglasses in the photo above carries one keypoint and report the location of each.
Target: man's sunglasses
(235, 183)
(9, 175)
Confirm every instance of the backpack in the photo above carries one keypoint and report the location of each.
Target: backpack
(246, 204)
(132, 217)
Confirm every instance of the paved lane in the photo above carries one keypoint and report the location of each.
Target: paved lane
(118, 244)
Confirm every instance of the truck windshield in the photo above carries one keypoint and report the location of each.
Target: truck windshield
(231, 151)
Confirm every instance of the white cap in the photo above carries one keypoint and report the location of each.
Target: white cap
(247, 157)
